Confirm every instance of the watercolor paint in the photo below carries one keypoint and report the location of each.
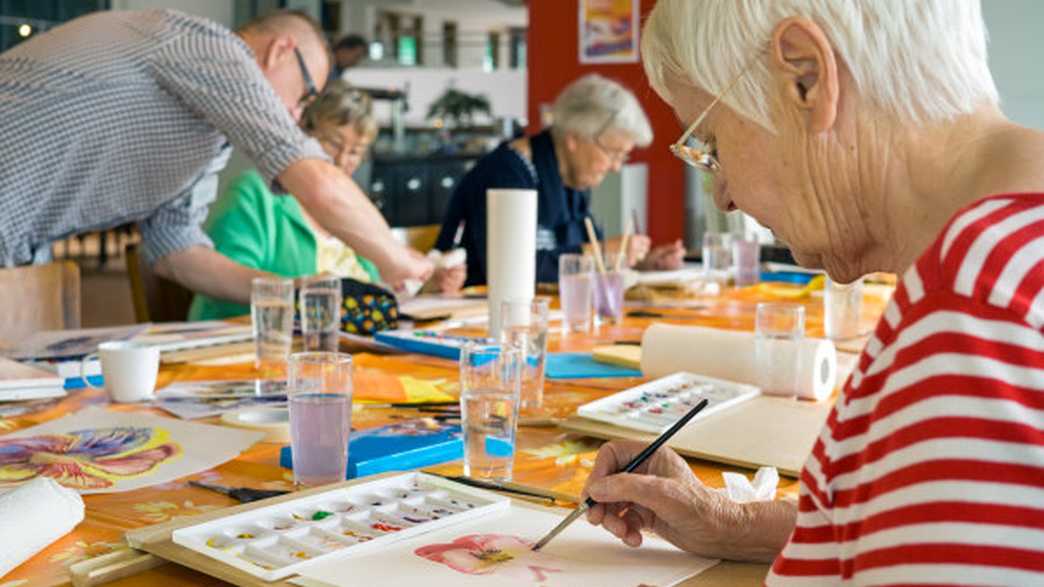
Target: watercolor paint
(656, 405)
(270, 542)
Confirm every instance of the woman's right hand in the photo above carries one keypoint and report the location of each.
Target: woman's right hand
(410, 265)
(664, 496)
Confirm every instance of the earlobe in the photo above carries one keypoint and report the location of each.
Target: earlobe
(802, 54)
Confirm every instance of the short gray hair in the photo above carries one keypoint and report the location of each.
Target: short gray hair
(919, 60)
(595, 104)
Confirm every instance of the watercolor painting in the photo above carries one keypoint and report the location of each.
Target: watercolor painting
(98, 451)
(506, 557)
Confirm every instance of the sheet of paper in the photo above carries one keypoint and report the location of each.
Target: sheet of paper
(63, 344)
(98, 451)
(496, 551)
(426, 306)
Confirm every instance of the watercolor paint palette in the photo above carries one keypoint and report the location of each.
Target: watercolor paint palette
(655, 406)
(274, 542)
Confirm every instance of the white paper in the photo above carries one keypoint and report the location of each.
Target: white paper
(32, 517)
(511, 225)
(730, 355)
(495, 551)
(98, 451)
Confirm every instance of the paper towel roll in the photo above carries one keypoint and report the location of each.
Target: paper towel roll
(730, 355)
(34, 515)
(511, 225)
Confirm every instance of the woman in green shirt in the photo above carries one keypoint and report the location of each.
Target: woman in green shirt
(271, 232)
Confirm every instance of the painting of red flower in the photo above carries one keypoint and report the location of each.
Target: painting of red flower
(508, 557)
(94, 458)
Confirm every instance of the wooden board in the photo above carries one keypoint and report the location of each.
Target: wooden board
(157, 540)
(765, 431)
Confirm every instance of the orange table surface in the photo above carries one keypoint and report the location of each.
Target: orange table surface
(547, 457)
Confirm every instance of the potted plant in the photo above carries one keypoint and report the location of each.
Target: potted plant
(459, 108)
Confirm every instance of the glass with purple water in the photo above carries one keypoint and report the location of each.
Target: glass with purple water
(490, 387)
(576, 291)
(320, 396)
(609, 292)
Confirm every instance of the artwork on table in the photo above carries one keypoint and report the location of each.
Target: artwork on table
(98, 451)
(191, 400)
(69, 344)
(609, 31)
(495, 550)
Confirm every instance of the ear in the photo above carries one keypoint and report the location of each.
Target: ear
(802, 54)
(279, 47)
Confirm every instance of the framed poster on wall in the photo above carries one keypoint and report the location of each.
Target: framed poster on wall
(609, 31)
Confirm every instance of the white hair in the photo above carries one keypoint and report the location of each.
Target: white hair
(594, 104)
(919, 60)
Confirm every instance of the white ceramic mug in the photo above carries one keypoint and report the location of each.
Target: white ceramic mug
(129, 370)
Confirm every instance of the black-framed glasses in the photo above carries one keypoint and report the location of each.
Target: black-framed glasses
(311, 91)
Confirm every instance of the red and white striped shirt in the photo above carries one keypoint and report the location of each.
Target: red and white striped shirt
(931, 466)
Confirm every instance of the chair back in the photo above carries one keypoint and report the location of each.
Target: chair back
(421, 238)
(39, 297)
(155, 299)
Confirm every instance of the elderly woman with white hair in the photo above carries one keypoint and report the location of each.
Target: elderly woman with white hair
(596, 124)
(867, 135)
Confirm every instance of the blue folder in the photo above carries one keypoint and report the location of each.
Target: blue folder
(583, 366)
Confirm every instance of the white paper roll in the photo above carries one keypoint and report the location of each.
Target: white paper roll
(511, 224)
(34, 515)
(730, 355)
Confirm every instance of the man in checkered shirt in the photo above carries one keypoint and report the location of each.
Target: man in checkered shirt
(120, 117)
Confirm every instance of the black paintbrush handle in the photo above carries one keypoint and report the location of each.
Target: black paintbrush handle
(656, 444)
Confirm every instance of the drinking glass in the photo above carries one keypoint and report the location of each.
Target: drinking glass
(609, 292)
(524, 324)
(320, 397)
(842, 303)
(576, 291)
(272, 316)
(746, 266)
(717, 258)
(778, 328)
(490, 384)
(321, 313)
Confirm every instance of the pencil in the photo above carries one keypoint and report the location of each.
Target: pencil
(631, 466)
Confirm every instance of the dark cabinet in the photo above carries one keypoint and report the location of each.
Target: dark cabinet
(416, 191)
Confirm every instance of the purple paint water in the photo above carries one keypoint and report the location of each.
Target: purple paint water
(319, 427)
(609, 296)
(576, 293)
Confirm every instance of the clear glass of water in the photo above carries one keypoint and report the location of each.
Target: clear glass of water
(717, 258)
(525, 325)
(272, 315)
(746, 262)
(778, 329)
(319, 391)
(321, 313)
(490, 385)
(576, 291)
(842, 304)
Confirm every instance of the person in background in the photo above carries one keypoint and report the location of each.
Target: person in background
(597, 122)
(273, 233)
(867, 135)
(118, 117)
(349, 52)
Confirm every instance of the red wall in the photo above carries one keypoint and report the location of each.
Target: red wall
(554, 62)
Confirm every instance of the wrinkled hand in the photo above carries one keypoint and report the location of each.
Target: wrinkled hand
(664, 257)
(664, 496)
(449, 281)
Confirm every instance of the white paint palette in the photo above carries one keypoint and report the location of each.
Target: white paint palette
(656, 405)
(274, 542)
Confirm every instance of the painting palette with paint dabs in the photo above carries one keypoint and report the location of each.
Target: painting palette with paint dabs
(655, 406)
(274, 542)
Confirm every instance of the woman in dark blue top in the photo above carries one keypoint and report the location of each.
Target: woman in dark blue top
(597, 122)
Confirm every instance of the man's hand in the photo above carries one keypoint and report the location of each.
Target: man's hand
(664, 496)
(206, 271)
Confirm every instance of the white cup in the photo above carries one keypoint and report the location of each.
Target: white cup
(129, 370)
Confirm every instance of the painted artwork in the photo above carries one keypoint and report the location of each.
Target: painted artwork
(98, 451)
(608, 31)
(508, 557)
(496, 550)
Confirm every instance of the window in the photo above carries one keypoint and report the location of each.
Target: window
(449, 44)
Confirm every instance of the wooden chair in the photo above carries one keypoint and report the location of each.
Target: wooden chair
(421, 238)
(155, 299)
(39, 297)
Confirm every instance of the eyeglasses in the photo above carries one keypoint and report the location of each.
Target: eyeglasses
(311, 92)
(615, 156)
(351, 149)
(699, 154)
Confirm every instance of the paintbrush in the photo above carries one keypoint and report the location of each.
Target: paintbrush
(240, 494)
(631, 466)
(596, 247)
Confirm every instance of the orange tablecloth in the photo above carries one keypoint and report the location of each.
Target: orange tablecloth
(547, 457)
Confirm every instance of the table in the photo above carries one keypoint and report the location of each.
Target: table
(548, 458)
